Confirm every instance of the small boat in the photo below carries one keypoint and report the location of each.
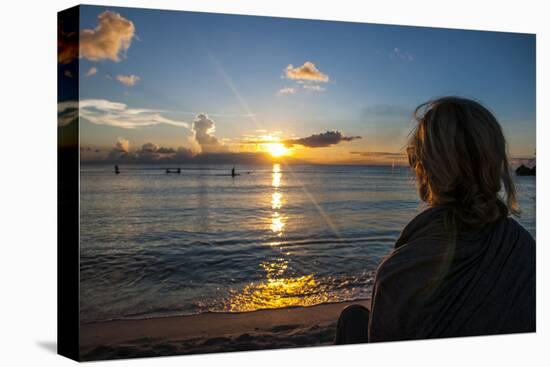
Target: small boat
(170, 170)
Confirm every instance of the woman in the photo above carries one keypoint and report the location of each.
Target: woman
(463, 266)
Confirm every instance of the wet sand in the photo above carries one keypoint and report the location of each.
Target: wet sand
(212, 332)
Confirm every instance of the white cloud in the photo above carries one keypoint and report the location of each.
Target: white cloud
(128, 80)
(307, 76)
(313, 88)
(67, 112)
(104, 112)
(403, 55)
(122, 145)
(92, 71)
(308, 71)
(109, 40)
(120, 150)
(286, 91)
(204, 129)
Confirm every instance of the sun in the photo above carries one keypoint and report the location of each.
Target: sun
(273, 145)
(277, 149)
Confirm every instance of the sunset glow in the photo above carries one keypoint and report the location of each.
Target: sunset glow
(329, 106)
(277, 149)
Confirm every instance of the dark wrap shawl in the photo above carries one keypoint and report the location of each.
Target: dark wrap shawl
(432, 286)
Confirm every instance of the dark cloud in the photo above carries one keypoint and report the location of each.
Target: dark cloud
(148, 148)
(90, 149)
(163, 150)
(183, 154)
(147, 153)
(150, 152)
(153, 153)
(204, 129)
(321, 140)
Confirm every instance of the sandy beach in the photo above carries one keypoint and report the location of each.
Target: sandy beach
(212, 332)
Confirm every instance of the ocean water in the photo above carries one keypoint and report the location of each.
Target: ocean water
(156, 244)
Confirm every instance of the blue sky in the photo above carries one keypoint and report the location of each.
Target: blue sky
(234, 70)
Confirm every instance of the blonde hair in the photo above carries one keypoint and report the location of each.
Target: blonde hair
(458, 153)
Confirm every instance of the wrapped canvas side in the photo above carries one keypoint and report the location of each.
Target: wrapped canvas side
(68, 163)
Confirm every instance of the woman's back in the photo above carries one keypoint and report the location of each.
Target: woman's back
(476, 282)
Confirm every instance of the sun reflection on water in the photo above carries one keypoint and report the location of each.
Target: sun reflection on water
(277, 224)
(277, 219)
(276, 200)
(276, 175)
(278, 289)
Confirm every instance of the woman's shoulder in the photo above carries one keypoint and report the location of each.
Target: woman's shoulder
(512, 224)
(511, 235)
(428, 224)
(425, 241)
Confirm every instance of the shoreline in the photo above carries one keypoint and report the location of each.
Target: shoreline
(212, 332)
(138, 318)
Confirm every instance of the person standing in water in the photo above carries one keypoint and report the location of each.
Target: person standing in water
(233, 172)
(463, 266)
